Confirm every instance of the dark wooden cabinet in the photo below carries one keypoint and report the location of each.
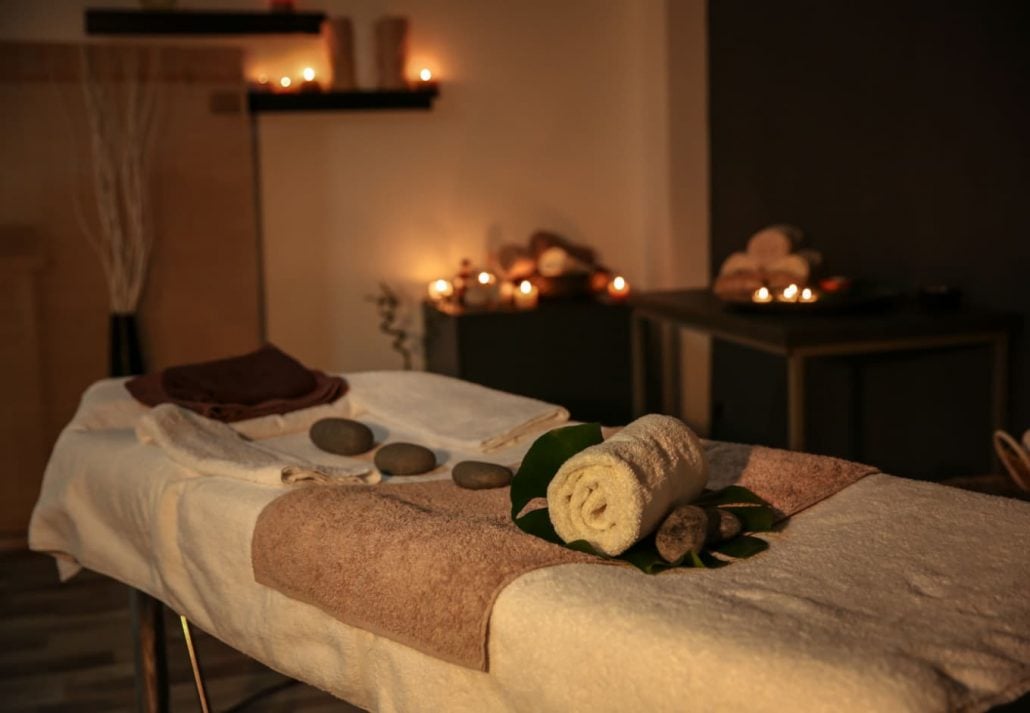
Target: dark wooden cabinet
(574, 353)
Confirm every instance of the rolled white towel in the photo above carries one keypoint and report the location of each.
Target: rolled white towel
(617, 492)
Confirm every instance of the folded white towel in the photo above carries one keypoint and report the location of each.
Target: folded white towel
(617, 492)
(449, 412)
(214, 448)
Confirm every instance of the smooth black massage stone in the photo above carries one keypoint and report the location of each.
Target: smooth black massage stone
(404, 459)
(722, 525)
(341, 436)
(683, 530)
(477, 475)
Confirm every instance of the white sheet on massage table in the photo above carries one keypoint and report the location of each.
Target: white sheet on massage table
(892, 595)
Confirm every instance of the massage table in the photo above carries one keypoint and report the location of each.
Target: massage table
(892, 595)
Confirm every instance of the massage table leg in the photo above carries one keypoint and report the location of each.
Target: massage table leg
(149, 639)
(198, 676)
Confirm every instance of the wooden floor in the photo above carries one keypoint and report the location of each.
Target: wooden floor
(68, 647)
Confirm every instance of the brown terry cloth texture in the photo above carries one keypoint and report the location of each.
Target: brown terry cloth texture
(263, 382)
(787, 480)
(420, 564)
(423, 563)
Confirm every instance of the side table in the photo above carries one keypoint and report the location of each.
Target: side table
(572, 352)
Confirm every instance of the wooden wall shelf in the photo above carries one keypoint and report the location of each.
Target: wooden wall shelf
(359, 100)
(101, 21)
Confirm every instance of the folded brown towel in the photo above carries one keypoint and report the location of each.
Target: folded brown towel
(261, 375)
(423, 563)
(264, 382)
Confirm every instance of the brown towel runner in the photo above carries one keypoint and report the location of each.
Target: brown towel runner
(422, 564)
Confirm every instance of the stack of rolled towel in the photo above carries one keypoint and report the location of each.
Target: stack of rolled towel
(618, 492)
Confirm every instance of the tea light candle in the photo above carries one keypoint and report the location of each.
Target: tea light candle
(790, 293)
(808, 295)
(309, 84)
(425, 80)
(440, 289)
(618, 288)
(527, 296)
(486, 278)
(762, 295)
(285, 82)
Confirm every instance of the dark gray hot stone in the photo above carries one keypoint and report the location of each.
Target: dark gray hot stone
(477, 475)
(684, 530)
(341, 436)
(722, 525)
(404, 459)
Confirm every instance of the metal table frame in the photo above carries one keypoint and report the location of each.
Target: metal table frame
(796, 356)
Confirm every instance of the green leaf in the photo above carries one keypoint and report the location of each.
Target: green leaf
(730, 495)
(755, 518)
(741, 547)
(545, 457)
(538, 523)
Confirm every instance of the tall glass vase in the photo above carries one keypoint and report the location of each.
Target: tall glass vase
(125, 354)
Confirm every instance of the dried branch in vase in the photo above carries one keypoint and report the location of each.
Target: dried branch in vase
(388, 305)
(120, 89)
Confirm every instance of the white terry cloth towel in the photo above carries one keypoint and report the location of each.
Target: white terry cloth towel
(213, 448)
(617, 492)
(450, 412)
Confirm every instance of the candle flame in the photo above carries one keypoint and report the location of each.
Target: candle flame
(762, 293)
(485, 278)
(308, 74)
(285, 82)
(619, 283)
(790, 291)
(425, 74)
(525, 287)
(806, 294)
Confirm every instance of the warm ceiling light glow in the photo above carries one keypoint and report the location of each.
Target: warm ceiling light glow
(425, 75)
(285, 82)
(525, 287)
(308, 74)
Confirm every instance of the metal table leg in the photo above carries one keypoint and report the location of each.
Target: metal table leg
(795, 401)
(638, 338)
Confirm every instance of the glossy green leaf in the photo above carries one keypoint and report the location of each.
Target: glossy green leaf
(741, 546)
(754, 519)
(538, 523)
(545, 457)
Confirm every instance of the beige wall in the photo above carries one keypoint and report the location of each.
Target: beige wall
(552, 115)
(587, 117)
(201, 298)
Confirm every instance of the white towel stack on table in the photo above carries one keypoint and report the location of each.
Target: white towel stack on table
(617, 492)
(213, 448)
(447, 412)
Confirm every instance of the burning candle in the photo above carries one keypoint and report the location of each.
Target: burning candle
(808, 295)
(483, 291)
(527, 295)
(285, 82)
(440, 289)
(762, 295)
(790, 293)
(425, 81)
(309, 84)
(618, 288)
